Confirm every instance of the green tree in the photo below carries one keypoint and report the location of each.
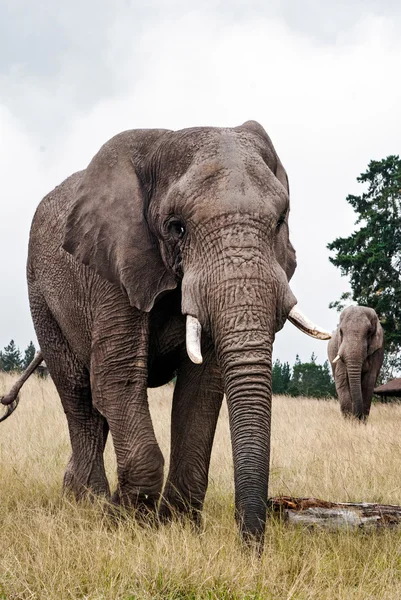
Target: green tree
(11, 357)
(28, 355)
(371, 256)
(311, 379)
(281, 377)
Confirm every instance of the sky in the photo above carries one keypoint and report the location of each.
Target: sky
(321, 77)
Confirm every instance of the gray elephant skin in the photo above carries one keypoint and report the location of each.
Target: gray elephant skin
(356, 352)
(165, 228)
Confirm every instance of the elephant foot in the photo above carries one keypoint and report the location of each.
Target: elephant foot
(174, 507)
(357, 418)
(92, 487)
(142, 506)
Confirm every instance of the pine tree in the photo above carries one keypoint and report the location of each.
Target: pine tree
(11, 357)
(371, 256)
(311, 379)
(281, 377)
(28, 355)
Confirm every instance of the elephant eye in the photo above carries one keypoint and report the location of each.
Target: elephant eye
(281, 220)
(176, 228)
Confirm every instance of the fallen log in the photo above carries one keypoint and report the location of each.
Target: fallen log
(313, 512)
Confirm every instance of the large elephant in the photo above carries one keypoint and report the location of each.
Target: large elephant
(356, 352)
(167, 237)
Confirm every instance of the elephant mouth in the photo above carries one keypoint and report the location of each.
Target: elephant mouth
(295, 316)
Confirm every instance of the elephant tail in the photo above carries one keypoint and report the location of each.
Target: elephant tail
(11, 399)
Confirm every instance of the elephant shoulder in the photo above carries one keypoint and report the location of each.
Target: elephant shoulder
(58, 202)
(48, 223)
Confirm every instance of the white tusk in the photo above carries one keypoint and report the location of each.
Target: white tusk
(194, 332)
(303, 323)
(337, 358)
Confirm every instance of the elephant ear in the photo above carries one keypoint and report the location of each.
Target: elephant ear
(289, 261)
(106, 227)
(377, 340)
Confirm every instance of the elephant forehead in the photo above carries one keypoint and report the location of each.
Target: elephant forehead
(357, 314)
(207, 151)
(353, 328)
(223, 184)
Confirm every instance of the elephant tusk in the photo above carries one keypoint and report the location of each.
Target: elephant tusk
(194, 332)
(303, 323)
(337, 358)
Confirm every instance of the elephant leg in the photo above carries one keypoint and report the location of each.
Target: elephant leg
(88, 429)
(197, 400)
(119, 390)
(345, 399)
(343, 391)
(368, 385)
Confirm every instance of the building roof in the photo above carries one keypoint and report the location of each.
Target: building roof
(391, 388)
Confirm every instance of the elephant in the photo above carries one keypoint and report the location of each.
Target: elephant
(356, 352)
(168, 255)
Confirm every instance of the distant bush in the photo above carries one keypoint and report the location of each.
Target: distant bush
(304, 379)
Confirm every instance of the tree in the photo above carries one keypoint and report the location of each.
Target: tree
(310, 379)
(371, 256)
(11, 357)
(28, 355)
(281, 377)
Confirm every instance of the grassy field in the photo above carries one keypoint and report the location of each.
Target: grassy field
(51, 547)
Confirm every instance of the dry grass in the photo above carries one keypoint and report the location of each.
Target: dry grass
(53, 548)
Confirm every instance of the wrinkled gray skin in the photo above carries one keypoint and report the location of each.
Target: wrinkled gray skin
(359, 341)
(198, 220)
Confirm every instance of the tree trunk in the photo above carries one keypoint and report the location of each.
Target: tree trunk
(312, 512)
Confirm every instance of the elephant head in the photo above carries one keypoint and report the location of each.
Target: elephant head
(205, 210)
(356, 354)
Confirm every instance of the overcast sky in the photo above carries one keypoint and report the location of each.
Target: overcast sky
(323, 78)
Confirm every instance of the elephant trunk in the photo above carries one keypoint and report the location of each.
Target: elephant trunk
(243, 338)
(354, 380)
(247, 381)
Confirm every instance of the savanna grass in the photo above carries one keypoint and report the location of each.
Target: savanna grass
(51, 547)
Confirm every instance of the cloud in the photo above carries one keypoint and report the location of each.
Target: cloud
(329, 101)
(22, 184)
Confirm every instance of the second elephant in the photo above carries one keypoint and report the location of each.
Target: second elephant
(356, 352)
